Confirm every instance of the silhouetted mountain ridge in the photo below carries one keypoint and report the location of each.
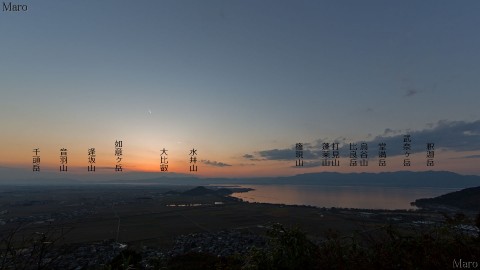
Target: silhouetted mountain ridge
(438, 179)
(468, 199)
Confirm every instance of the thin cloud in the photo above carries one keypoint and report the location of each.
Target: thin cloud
(287, 154)
(276, 154)
(246, 164)
(215, 163)
(411, 93)
(448, 135)
(251, 157)
(107, 167)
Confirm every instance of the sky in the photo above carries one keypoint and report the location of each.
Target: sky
(239, 81)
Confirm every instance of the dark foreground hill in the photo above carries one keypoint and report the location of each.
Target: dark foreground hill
(466, 199)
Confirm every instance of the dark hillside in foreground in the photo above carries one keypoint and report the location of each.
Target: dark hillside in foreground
(467, 199)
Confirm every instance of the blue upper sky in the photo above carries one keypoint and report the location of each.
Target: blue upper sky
(233, 77)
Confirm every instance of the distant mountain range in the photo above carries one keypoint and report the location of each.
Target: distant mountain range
(468, 198)
(437, 179)
(440, 179)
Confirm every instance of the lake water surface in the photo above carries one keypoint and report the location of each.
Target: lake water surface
(340, 196)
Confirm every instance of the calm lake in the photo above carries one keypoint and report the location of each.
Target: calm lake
(340, 196)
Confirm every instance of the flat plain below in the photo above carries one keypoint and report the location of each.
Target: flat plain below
(155, 216)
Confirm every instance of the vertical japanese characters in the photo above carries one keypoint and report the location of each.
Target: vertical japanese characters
(353, 154)
(329, 153)
(326, 154)
(36, 160)
(299, 154)
(163, 160)
(118, 156)
(91, 159)
(430, 154)
(382, 154)
(330, 158)
(407, 148)
(363, 154)
(335, 154)
(63, 160)
(193, 160)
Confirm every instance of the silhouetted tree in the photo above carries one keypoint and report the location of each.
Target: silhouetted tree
(20, 249)
(288, 249)
(127, 259)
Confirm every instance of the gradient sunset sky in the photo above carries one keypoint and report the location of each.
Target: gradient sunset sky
(241, 82)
